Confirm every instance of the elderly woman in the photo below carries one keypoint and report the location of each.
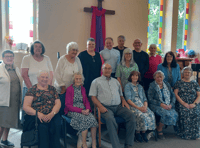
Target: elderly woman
(32, 64)
(162, 102)
(188, 97)
(135, 96)
(120, 47)
(126, 66)
(91, 64)
(170, 69)
(67, 65)
(78, 108)
(10, 90)
(43, 98)
(154, 61)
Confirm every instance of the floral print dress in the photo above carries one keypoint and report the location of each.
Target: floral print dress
(79, 121)
(189, 119)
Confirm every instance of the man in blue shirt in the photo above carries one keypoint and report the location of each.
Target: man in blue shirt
(107, 95)
(110, 55)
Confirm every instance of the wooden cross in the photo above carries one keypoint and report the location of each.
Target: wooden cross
(111, 12)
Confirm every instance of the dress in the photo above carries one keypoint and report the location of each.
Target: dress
(79, 121)
(124, 72)
(9, 116)
(189, 120)
(144, 121)
(91, 68)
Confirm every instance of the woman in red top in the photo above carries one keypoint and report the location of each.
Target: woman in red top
(154, 61)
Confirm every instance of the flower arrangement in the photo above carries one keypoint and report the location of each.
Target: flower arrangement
(9, 40)
(159, 51)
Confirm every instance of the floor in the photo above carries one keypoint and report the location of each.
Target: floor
(171, 141)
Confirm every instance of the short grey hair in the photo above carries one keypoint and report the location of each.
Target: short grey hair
(77, 73)
(153, 46)
(159, 72)
(41, 72)
(7, 51)
(187, 68)
(122, 37)
(123, 62)
(91, 39)
(70, 46)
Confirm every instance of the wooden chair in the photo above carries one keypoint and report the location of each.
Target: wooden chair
(101, 121)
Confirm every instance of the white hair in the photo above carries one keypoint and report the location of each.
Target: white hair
(41, 72)
(78, 73)
(123, 62)
(70, 46)
(187, 68)
(159, 72)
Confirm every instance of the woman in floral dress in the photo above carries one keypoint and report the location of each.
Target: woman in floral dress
(135, 96)
(78, 108)
(188, 97)
(126, 66)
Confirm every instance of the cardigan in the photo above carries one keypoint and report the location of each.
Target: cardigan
(69, 98)
(130, 93)
(176, 75)
(153, 96)
(5, 84)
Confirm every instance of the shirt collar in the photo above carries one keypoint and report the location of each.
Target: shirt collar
(13, 68)
(106, 78)
(153, 56)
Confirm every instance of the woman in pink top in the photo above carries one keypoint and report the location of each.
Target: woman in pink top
(154, 61)
(77, 107)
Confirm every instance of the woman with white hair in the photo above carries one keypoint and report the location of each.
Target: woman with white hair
(126, 66)
(67, 65)
(78, 108)
(187, 105)
(162, 102)
(43, 98)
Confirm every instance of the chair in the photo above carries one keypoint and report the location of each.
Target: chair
(102, 121)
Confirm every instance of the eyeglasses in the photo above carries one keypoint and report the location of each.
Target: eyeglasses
(9, 57)
(107, 68)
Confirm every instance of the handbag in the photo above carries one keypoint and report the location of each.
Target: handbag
(30, 138)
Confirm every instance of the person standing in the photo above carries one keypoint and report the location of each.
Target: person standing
(120, 47)
(110, 55)
(10, 90)
(141, 58)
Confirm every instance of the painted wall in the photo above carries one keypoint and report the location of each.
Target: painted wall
(63, 21)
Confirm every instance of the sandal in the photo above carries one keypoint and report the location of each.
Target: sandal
(161, 136)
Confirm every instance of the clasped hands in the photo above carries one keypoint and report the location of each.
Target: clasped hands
(45, 118)
(189, 106)
(143, 109)
(85, 112)
(167, 107)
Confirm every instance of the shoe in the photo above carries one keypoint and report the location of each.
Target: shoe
(128, 146)
(162, 137)
(144, 137)
(138, 137)
(7, 143)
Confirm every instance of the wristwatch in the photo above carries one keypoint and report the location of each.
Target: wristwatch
(195, 103)
(54, 113)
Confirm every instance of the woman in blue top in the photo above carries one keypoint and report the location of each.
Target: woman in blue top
(170, 69)
(135, 96)
(162, 102)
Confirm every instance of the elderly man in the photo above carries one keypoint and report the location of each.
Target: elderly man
(141, 58)
(110, 55)
(106, 93)
(120, 47)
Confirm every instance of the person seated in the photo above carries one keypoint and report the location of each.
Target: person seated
(120, 47)
(162, 102)
(188, 97)
(107, 95)
(78, 108)
(136, 98)
(43, 98)
(110, 55)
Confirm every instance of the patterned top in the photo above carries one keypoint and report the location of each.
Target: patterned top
(107, 90)
(111, 57)
(123, 73)
(43, 101)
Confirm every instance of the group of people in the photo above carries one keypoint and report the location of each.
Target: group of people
(146, 92)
